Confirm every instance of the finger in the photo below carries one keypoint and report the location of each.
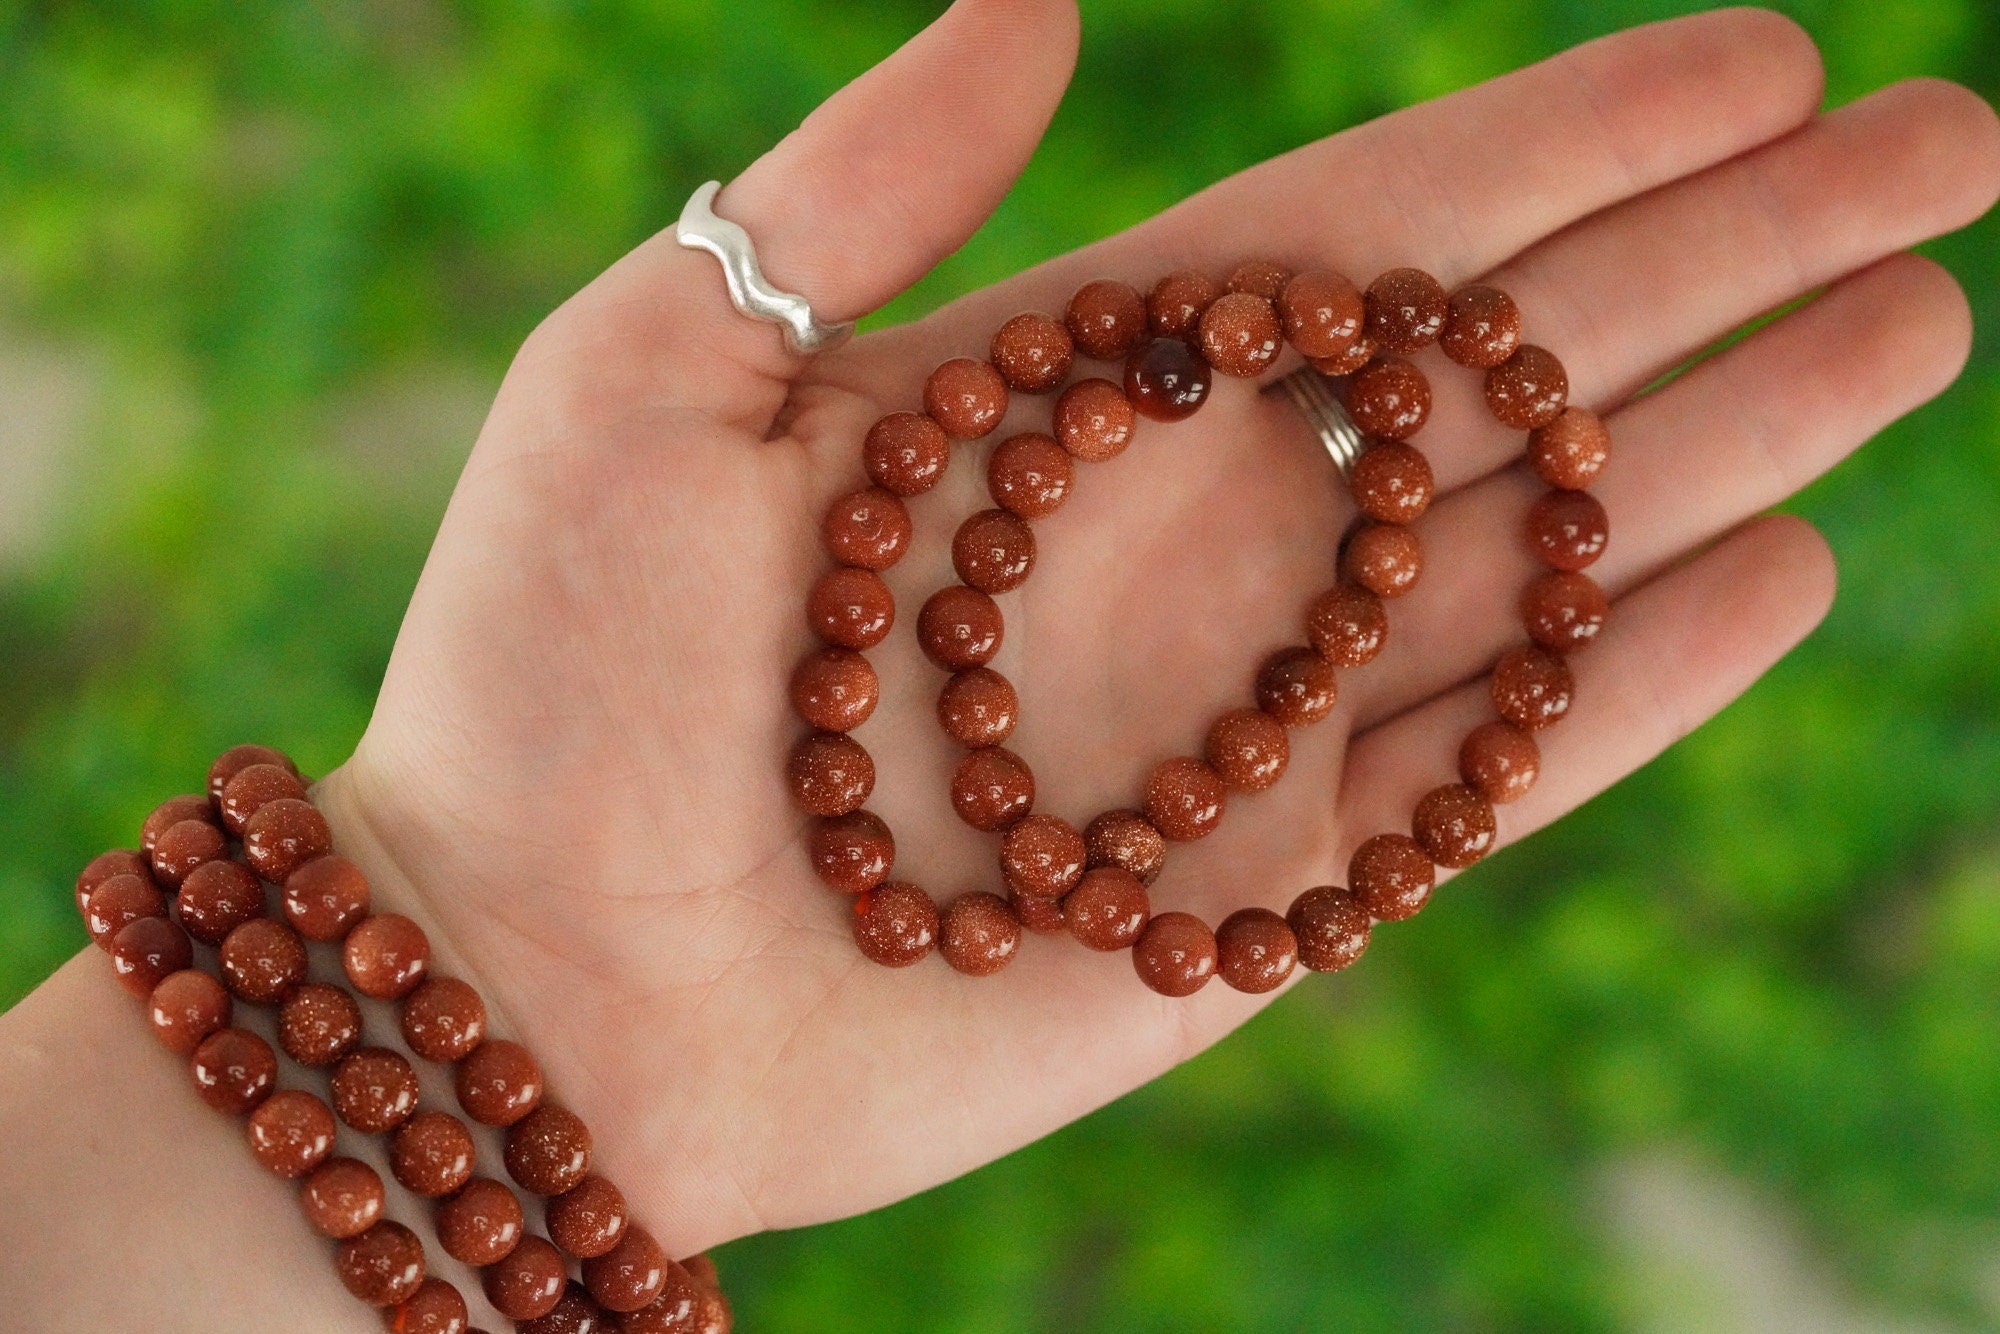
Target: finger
(1736, 435)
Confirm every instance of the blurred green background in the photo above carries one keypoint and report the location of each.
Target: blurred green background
(1718, 1052)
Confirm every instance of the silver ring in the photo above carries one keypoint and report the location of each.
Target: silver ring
(749, 290)
(1315, 400)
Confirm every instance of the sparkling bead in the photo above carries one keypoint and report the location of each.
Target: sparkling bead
(1175, 954)
(852, 852)
(1042, 855)
(185, 1008)
(527, 1281)
(1384, 558)
(1564, 611)
(1330, 927)
(978, 707)
(895, 924)
(1184, 798)
(906, 452)
(1532, 688)
(342, 1197)
(216, 898)
(630, 1274)
(589, 1218)
(233, 1070)
(499, 1083)
(834, 689)
(1108, 909)
(1390, 876)
(386, 956)
(1406, 309)
(869, 529)
(1389, 399)
(1322, 312)
(238, 758)
(262, 961)
(992, 788)
(978, 934)
(1030, 474)
(186, 846)
(1570, 451)
(679, 1309)
(1094, 419)
(282, 836)
(325, 898)
(290, 1133)
(1128, 840)
(1255, 951)
(1032, 353)
(374, 1089)
(960, 627)
(1482, 327)
(993, 551)
(1106, 318)
(1259, 277)
(1500, 760)
(1455, 825)
(1528, 389)
(966, 397)
(443, 1020)
(1364, 350)
(851, 607)
(431, 1153)
(435, 1307)
(480, 1224)
(548, 1150)
(1248, 749)
(575, 1312)
(1297, 687)
(1240, 334)
(830, 773)
(1165, 379)
(170, 813)
(383, 1265)
(318, 1024)
(1568, 530)
(1175, 305)
(103, 866)
(1347, 625)
(117, 901)
(146, 951)
(253, 786)
(1392, 483)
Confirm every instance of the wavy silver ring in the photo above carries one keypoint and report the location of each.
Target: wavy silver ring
(749, 291)
(1314, 397)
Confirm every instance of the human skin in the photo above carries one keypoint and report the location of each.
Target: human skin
(573, 777)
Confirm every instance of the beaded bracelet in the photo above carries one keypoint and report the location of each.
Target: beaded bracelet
(1093, 883)
(216, 853)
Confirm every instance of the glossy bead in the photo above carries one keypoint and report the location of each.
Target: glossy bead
(1392, 483)
(1094, 419)
(1391, 877)
(1389, 399)
(146, 951)
(834, 689)
(851, 607)
(575, 1312)
(233, 1070)
(318, 1024)
(1175, 305)
(290, 1133)
(1297, 687)
(117, 901)
(1532, 688)
(185, 846)
(1165, 379)
(895, 924)
(1240, 334)
(906, 452)
(479, 1225)
(992, 788)
(1564, 611)
(978, 934)
(238, 758)
(1040, 915)
(630, 1274)
(959, 627)
(185, 1008)
(342, 1197)
(1126, 839)
(374, 1089)
(431, 1154)
(1030, 475)
(499, 1083)
(1406, 309)
(1042, 855)
(1528, 389)
(1330, 927)
(170, 813)
(1175, 954)
(966, 397)
(1254, 950)
(1248, 749)
(1347, 625)
(324, 898)
(436, 1307)
(852, 852)
(868, 529)
(993, 551)
(1455, 825)
(830, 773)
(1106, 318)
(1570, 451)
(978, 707)
(443, 1020)
(216, 898)
(1032, 352)
(589, 1218)
(119, 861)
(1482, 327)
(1364, 350)
(527, 1281)
(1322, 313)
(251, 788)
(1108, 909)
(1259, 277)
(1568, 530)
(548, 1150)
(282, 836)
(262, 961)
(1184, 798)
(677, 1310)
(383, 1265)
(1500, 760)
(1384, 558)
(386, 956)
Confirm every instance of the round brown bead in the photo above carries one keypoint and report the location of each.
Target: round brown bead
(1248, 749)
(1254, 950)
(1360, 354)
(1174, 307)
(499, 1083)
(1240, 334)
(1032, 352)
(342, 1197)
(216, 898)
(1040, 915)
(386, 956)
(966, 397)
(253, 787)
(1322, 311)
(1108, 910)
(830, 773)
(896, 924)
(1297, 687)
(1259, 277)
(978, 933)
(119, 861)
(383, 1265)
(1175, 954)
(851, 607)
(432, 1153)
(1330, 927)
(1184, 798)
(1166, 379)
(1500, 760)
(374, 1089)
(1384, 558)
(528, 1281)
(852, 852)
(1030, 475)
(1389, 399)
(118, 901)
(443, 1020)
(1347, 625)
(1392, 483)
(630, 1274)
(548, 1150)
(992, 788)
(1390, 876)
(233, 1070)
(1042, 855)
(978, 707)
(834, 689)
(1106, 318)
(262, 961)
(481, 1224)
(1454, 824)
(185, 1008)
(1528, 389)
(1564, 611)
(436, 1307)
(960, 627)
(993, 551)
(1094, 420)
(1125, 839)
(324, 898)
(282, 836)
(1568, 529)
(318, 1024)
(170, 813)
(290, 1133)
(1482, 327)
(238, 758)
(679, 1309)
(187, 845)
(589, 1218)
(1406, 309)
(1570, 451)
(906, 452)
(868, 529)
(146, 951)
(1532, 688)
(575, 1312)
